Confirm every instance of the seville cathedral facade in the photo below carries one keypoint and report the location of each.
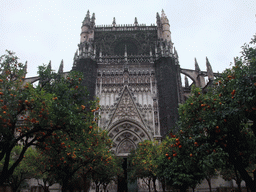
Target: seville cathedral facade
(134, 71)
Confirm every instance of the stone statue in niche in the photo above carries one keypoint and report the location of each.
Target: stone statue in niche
(126, 147)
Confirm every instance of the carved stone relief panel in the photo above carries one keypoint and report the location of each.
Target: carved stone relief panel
(126, 135)
(126, 147)
(126, 108)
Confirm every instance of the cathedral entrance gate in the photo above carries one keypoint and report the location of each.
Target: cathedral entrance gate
(124, 185)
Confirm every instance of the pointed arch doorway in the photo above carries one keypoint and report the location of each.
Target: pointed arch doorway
(124, 185)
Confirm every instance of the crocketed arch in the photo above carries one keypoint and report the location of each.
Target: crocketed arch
(131, 122)
(126, 134)
(125, 146)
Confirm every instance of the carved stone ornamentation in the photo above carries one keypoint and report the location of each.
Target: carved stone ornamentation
(142, 134)
(126, 135)
(136, 129)
(126, 147)
(118, 139)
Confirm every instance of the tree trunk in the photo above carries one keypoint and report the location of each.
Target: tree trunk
(209, 183)
(238, 181)
(149, 189)
(64, 187)
(237, 162)
(97, 187)
(105, 188)
(154, 184)
(86, 183)
(183, 188)
(239, 186)
(163, 184)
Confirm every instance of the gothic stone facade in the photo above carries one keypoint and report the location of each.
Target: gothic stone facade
(134, 70)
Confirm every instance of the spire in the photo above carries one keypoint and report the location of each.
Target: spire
(163, 14)
(175, 53)
(93, 17)
(49, 66)
(88, 14)
(25, 68)
(186, 82)
(60, 71)
(93, 20)
(75, 55)
(157, 18)
(135, 21)
(209, 70)
(114, 22)
(197, 66)
(234, 61)
(87, 18)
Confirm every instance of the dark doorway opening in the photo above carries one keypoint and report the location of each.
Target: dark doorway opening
(122, 181)
(124, 185)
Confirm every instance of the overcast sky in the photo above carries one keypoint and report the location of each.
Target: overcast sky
(40, 31)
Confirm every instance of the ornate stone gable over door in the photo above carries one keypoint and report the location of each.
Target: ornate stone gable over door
(126, 109)
(126, 127)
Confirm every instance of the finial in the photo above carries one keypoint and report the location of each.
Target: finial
(125, 50)
(25, 68)
(186, 81)
(135, 21)
(88, 14)
(60, 71)
(93, 18)
(197, 66)
(114, 22)
(175, 53)
(157, 16)
(50, 65)
(234, 61)
(75, 55)
(163, 14)
(209, 70)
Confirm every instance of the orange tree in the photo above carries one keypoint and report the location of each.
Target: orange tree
(179, 163)
(29, 115)
(33, 160)
(230, 173)
(224, 117)
(105, 169)
(143, 164)
(67, 156)
(23, 171)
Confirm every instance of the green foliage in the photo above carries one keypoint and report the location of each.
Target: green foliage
(143, 162)
(177, 163)
(23, 171)
(43, 114)
(106, 168)
(221, 121)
